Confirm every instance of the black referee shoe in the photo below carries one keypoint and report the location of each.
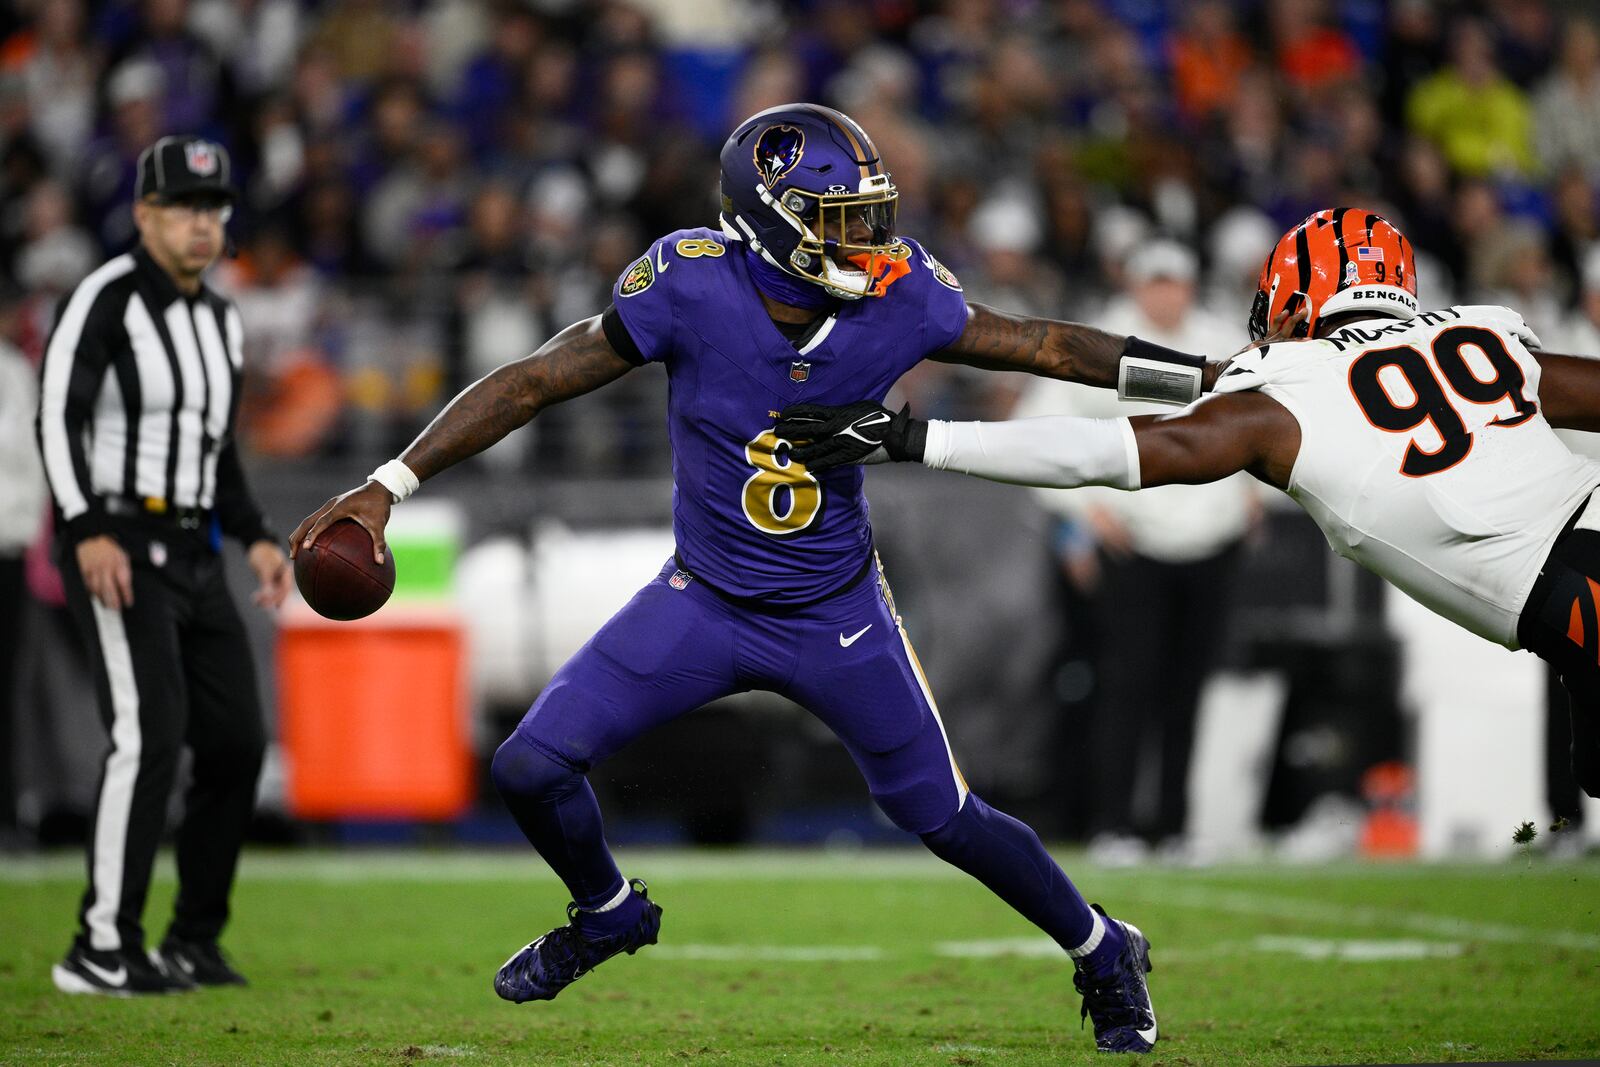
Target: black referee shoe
(201, 963)
(113, 973)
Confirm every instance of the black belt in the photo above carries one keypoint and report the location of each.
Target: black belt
(154, 507)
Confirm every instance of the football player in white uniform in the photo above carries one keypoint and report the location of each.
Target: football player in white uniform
(1420, 442)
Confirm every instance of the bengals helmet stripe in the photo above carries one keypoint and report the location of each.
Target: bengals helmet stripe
(1338, 236)
(1302, 246)
(1336, 267)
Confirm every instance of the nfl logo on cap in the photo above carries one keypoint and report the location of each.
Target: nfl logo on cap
(201, 157)
(176, 168)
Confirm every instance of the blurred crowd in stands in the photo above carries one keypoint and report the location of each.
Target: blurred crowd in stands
(432, 187)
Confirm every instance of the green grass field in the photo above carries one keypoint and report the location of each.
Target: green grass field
(801, 958)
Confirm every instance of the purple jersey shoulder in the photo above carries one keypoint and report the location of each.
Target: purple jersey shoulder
(649, 295)
(930, 290)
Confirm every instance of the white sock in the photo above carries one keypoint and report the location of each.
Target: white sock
(622, 894)
(1093, 941)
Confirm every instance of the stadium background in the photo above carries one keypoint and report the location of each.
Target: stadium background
(433, 188)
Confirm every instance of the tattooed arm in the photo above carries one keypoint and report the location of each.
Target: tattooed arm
(575, 361)
(998, 340)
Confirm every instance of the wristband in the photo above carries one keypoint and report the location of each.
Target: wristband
(1158, 375)
(397, 478)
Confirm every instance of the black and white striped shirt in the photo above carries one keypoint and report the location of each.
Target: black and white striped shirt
(137, 400)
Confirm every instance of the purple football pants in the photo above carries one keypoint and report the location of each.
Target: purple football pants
(845, 659)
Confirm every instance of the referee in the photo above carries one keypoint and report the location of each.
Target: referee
(137, 401)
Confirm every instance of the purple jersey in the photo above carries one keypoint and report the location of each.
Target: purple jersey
(747, 519)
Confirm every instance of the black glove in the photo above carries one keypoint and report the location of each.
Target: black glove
(840, 435)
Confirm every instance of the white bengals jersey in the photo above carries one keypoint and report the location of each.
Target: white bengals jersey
(1425, 458)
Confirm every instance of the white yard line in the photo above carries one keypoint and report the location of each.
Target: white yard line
(1347, 950)
(772, 953)
(361, 865)
(1359, 951)
(910, 865)
(1238, 902)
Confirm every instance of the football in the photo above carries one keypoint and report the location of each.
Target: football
(337, 576)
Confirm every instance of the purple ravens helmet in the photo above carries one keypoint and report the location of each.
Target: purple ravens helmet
(804, 188)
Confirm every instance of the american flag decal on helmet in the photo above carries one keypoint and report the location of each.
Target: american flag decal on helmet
(1369, 252)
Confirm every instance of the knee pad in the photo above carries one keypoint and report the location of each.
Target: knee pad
(523, 768)
(919, 807)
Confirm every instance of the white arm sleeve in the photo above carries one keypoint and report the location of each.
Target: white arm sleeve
(1063, 451)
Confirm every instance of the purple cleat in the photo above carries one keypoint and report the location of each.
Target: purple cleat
(564, 955)
(1119, 1003)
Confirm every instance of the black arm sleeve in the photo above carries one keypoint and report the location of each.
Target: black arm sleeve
(236, 509)
(619, 338)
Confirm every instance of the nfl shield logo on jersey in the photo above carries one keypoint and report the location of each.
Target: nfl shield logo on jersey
(799, 370)
(680, 579)
(200, 157)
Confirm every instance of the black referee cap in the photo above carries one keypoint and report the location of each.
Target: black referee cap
(178, 168)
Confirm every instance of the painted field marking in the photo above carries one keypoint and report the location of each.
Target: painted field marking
(812, 866)
(1349, 950)
(1236, 902)
(1359, 951)
(770, 953)
(1026, 947)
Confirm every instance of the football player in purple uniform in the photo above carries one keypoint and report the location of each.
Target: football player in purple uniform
(804, 294)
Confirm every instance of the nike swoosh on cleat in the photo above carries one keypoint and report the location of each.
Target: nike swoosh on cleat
(846, 642)
(118, 977)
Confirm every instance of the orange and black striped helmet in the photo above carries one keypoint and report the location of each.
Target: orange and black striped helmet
(1341, 259)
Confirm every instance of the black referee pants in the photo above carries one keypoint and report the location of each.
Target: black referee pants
(171, 670)
(1160, 625)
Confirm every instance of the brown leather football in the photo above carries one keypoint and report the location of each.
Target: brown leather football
(337, 576)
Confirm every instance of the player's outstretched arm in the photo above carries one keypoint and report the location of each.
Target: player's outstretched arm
(575, 361)
(1569, 391)
(1218, 436)
(1074, 352)
(999, 340)
(1052, 348)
